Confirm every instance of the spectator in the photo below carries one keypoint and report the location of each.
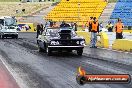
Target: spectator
(94, 30)
(55, 24)
(83, 26)
(51, 23)
(41, 28)
(47, 24)
(109, 26)
(119, 29)
(72, 24)
(38, 30)
(101, 26)
(75, 26)
(67, 25)
(90, 23)
(64, 24)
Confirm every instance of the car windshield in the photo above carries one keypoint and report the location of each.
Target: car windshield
(73, 33)
(10, 22)
(53, 32)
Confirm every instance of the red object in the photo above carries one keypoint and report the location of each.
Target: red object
(6, 80)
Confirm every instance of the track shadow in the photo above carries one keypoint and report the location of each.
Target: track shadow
(9, 38)
(61, 54)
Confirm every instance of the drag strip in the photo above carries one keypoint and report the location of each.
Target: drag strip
(6, 78)
(37, 70)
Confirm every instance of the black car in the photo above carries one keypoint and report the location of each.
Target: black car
(60, 39)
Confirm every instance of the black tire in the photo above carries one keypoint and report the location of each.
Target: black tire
(13, 37)
(16, 36)
(79, 52)
(40, 49)
(45, 47)
(2, 36)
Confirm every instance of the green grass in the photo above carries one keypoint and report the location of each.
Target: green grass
(9, 0)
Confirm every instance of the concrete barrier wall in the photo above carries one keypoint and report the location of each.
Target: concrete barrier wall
(122, 44)
(85, 35)
(26, 27)
(103, 40)
(129, 31)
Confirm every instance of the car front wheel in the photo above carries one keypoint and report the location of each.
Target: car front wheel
(40, 49)
(2, 36)
(13, 37)
(16, 36)
(79, 52)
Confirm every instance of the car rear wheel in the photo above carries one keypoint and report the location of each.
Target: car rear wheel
(79, 52)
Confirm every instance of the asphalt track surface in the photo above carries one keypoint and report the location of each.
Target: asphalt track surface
(32, 69)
